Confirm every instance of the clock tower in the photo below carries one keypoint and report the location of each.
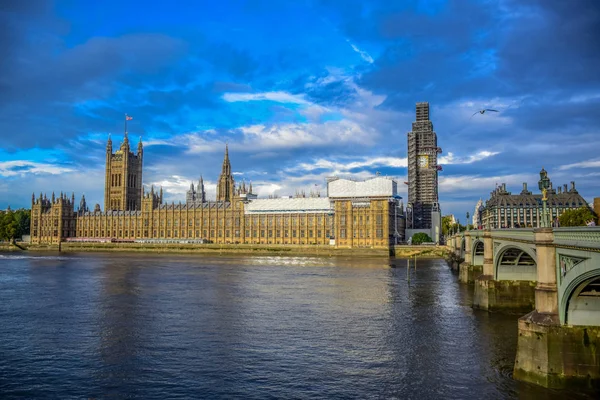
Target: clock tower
(423, 210)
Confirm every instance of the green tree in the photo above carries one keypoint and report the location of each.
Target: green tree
(421, 237)
(22, 218)
(576, 217)
(9, 226)
(14, 224)
(446, 224)
(2, 226)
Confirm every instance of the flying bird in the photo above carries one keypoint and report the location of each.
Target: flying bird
(483, 111)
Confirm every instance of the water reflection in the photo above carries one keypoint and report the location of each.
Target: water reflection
(249, 327)
(121, 327)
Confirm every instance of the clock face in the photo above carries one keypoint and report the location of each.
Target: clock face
(423, 161)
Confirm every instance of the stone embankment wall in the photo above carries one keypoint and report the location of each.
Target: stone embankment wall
(310, 250)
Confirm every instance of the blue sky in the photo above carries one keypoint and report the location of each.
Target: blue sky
(300, 90)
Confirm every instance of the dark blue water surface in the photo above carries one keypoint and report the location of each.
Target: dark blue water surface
(155, 327)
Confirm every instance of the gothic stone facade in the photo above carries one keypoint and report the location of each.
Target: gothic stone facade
(524, 210)
(235, 217)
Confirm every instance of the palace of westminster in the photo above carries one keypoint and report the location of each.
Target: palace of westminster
(354, 214)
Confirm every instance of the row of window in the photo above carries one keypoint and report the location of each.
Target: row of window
(204, 222)
(361, 233)
(205, 233)
(378, 219)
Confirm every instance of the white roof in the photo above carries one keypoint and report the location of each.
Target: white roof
(293, 205)
(379, 186)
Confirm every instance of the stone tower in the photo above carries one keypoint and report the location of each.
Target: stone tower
(226, 183)
(123, 179)
(196, 195)
(423, 170)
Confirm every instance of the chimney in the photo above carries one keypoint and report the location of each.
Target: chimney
(559, 190)
(524, 186)
(504, 187)
(573, 186)
(565, 188)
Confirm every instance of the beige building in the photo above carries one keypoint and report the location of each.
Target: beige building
(356, 214)
(524, 210)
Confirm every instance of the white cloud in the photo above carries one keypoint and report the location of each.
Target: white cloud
(363, 54)
(281, 97)
(175, 187)
(582, 164)
(483, 184)
(344, 166)
(298, 135)
(451, 159)
(25, 167)
(194, 143)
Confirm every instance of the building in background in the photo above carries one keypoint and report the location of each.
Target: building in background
(423, 209)
(355, 214)
(524, 210)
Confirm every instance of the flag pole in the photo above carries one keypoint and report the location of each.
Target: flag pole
(125, 124)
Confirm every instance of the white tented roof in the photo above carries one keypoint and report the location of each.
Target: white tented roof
(379, 186)
(293, 205)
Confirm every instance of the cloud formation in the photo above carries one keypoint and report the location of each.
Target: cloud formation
(299, 91)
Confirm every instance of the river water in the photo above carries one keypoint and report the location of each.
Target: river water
(158, 326)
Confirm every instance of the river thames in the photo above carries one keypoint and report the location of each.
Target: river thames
(156, 327)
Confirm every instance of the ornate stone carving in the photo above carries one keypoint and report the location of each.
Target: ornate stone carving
(567, 262)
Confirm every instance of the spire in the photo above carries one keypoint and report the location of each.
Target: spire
(53, 197)
(225, 185)
(226, 164)
(109, 144)
(192, 186)
(250, 188)
(82, 204)
(140, 146)
(161, 195)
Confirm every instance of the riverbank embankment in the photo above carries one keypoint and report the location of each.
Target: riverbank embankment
(224, 249)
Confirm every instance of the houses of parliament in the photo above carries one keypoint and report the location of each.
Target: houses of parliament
(354, 213)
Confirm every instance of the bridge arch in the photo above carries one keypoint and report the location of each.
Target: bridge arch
(463, 246)
(515, 262)
(477, 250)
(579, 295)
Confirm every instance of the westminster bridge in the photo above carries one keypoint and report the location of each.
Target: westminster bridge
(555, 274)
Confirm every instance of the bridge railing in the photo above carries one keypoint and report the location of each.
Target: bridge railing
(581, 236)
(516, 233)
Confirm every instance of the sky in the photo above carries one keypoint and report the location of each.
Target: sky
(300, 90)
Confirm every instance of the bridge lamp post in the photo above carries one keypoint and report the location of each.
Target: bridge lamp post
(544, 185)
(467, 220)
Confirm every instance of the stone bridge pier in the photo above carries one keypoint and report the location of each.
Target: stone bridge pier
(507, 281)
(559, 342)
(472, 252)
(454, 248)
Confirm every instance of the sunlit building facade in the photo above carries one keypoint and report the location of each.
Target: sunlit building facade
(355, 213)
(524, 210)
